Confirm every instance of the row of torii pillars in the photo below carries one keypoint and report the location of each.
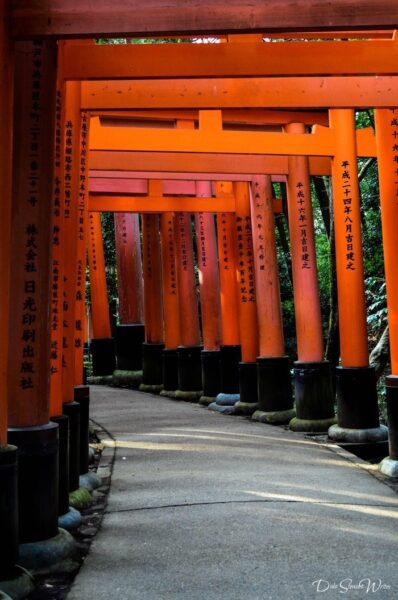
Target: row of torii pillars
(46, 402)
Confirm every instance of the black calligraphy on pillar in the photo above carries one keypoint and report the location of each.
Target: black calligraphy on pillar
(348, 220)
(171, 256)
(224, 242)
(81, 225)
(124, 230)
(183, 242)
(245, 258)
(394, 136)
(258, 225)
(303, 226)
(29, 310)
(201, 242)
(92, 243)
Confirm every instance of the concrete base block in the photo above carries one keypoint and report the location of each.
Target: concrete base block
(188, 396)
(49, 556)
(168, 393)
(70, 520)
(225, 410)
(127, 379)
(151, 389)
(246, 408)
(227, 399)
(277, 417)
(311, 425)
(206, 400)
(80, 499)
(389, 467)
(90, 481)
(100, 380)
(17, 588)
(343, 434)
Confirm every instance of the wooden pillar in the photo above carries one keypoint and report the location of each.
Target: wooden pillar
(230, 349)
(247, 307)
(189, 366)
(102, 344)
(171, 303)
(153, 300)
(8, 453)
(130, 330)
(357, 407)
(210, 302)
(273, 367)
(30, 337)
(386, 121)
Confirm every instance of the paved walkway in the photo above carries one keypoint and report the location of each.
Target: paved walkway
(208, 507)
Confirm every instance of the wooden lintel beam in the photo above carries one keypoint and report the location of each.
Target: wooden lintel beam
(68, 18)
(249, 59)
(181, 162)
(158, 204)
(104, 181)
(257, 92)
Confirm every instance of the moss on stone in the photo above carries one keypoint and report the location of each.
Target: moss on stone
(80, 499)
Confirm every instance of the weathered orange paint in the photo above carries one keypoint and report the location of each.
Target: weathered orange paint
(304, 268)
(386, 121)
(269, 311)
(209, 281)
(171, 303)
(349, 260)
(158, 204)
(153, 302)
(245, 275)
(6, 98)
(101, 326)
(129, 268)
(29, 325)
(227, 268)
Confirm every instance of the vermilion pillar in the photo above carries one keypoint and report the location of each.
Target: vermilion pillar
(171, 304)
(8, 453)
(273, 367)
(153, 304)
(210, 302)
(29, 337)
(230, 348)
(130, 330)
(312, 377)
(102, 344)
(387, 159)
(357, 408)
(189, 365)
(247, 308)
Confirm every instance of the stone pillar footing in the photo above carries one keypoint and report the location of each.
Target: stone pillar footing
(274, 384)
(248, 401)
(103, 356)
(389, 467)
(230, 359)
(63, 462)
(392, 415)
(170, 370)
(128, 341)
(72, 410)
(189, 369)
(8, 511)
(314, 397)
(71, 520)
(37, 481)
(358, 436)
(152, 374)
(52, 555)
(82, 397)
(356, 393)
(211, 373)
(18, 585)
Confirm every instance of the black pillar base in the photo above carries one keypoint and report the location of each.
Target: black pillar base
(72, 410)
(63, 463)
(8, 511)
(392, 415)
(103, 355)
(152, 364)
(128, 340)
(189, 368)
(82, 397)
(314, 397)
(230, 359)
(248, 401)
(357, 406)
(37, 481)
(211, 372)
(274, 386)
(170, 369)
